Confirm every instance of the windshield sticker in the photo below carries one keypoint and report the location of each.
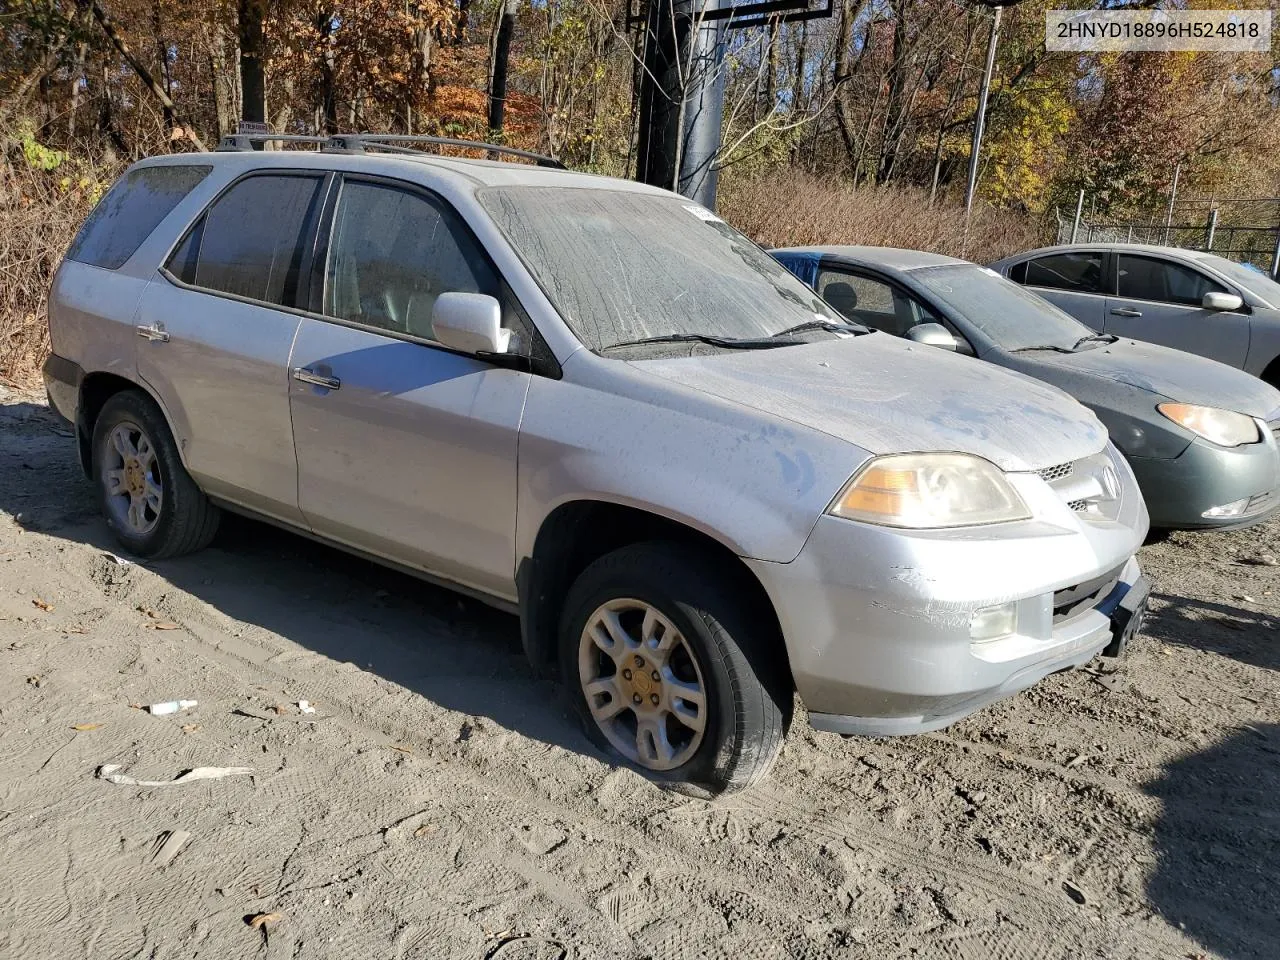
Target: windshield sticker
(702, 213)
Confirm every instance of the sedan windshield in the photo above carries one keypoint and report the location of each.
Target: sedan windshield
(1012, 317)
(1251, 279)
(623, 267)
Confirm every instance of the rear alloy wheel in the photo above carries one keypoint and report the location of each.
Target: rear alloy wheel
(672, 668)
(150, 501)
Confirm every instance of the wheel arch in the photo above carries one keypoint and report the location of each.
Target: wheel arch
(579, 532)
(95, 390)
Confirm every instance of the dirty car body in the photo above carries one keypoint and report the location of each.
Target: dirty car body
(593, 414)
(1189, 480)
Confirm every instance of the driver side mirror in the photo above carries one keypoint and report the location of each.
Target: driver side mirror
(471, 322)
(933, 335)
(1221, 301)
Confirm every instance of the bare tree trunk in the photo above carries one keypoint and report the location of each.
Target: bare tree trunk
(78, 81)
(172, 119)
(771, 78)
(106, 118)
(840, 76)
(498, 72)
(324, 24)
(253, 68)
(223, 94)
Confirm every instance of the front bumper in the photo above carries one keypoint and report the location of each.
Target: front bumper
(877, 621)
(1181, 489)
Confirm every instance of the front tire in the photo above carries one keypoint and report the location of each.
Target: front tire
(151, 503)
(670, 671)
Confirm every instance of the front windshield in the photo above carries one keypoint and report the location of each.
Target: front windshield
(1253, 280)
(622, 266)
(1012, 317)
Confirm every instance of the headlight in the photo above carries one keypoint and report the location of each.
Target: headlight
(924, 490)
(1223, 427)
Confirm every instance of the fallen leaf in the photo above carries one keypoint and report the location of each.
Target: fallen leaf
(260, 920)
(143, 608)
(401, 748)
(35, 681)
(425, 829)
(87, 726)
(190, 727)
(77, 630)
(165, 625)
(44, 605)
(280, 709)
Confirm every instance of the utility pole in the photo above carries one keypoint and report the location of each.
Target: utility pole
(980, 119)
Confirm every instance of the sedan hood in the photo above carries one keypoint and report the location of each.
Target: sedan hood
(1171, 374)
(886, 395)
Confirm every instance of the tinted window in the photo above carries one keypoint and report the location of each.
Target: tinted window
(130, 211)
(249, 243)
(872, 302)
(1146, 278)
(1066, 271)
(1018, 273)
(392, 253)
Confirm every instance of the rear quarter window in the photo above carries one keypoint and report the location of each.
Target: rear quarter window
(131, 210)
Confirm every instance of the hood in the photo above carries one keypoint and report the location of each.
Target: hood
(1172, 374)
(887, 395)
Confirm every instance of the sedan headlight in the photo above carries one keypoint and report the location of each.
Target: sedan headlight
(1223, 427)
(929, 490)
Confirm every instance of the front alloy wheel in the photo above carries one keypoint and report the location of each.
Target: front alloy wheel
(643, 684)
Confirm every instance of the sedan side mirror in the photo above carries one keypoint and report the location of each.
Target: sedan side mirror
(471, 322)
(933, 335)
(1221, 301)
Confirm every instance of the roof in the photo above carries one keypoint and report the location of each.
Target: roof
(481, 173)
(893, 257)
(1179, 253)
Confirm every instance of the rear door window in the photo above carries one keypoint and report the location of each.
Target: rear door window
(131, 210)
(1148, 278)
(1079, 272)
(250, 243)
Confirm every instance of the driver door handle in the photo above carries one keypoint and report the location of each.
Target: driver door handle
(1126, 312)
(304, 375)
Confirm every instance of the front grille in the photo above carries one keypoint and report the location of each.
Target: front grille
(1050, 474)
(1074, 600)
(1079, 506)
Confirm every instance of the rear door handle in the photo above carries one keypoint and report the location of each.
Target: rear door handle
(304, 375)
(1125, 312)
(155, 332)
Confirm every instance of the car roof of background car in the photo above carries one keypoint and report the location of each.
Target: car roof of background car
(894, 257)
(480, 173)
(1175, 253)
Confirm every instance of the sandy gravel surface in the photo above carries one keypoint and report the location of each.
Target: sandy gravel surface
(441, 804)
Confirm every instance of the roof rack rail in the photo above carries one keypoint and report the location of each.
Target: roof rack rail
(245, 141)
(392, 143)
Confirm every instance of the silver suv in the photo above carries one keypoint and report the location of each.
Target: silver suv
(594, 404)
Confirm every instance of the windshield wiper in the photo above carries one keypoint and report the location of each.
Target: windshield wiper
(831, 326)
(1098, 337)
(731, 343)
(1044, 346)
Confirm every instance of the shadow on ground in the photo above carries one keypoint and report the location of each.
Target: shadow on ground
(455, 651)
(1231, 631)
(1218, 844)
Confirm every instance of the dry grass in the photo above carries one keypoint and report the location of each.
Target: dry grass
(40, 212)
(790, 208)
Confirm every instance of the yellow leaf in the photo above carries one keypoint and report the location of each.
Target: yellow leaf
(87, 726)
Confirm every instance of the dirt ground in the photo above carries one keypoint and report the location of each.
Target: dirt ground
(440, 803)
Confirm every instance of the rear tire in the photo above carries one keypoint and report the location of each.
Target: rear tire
(151, 503)
(670, 672)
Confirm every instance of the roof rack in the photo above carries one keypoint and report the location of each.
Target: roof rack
(387, 142)
(245, 141)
